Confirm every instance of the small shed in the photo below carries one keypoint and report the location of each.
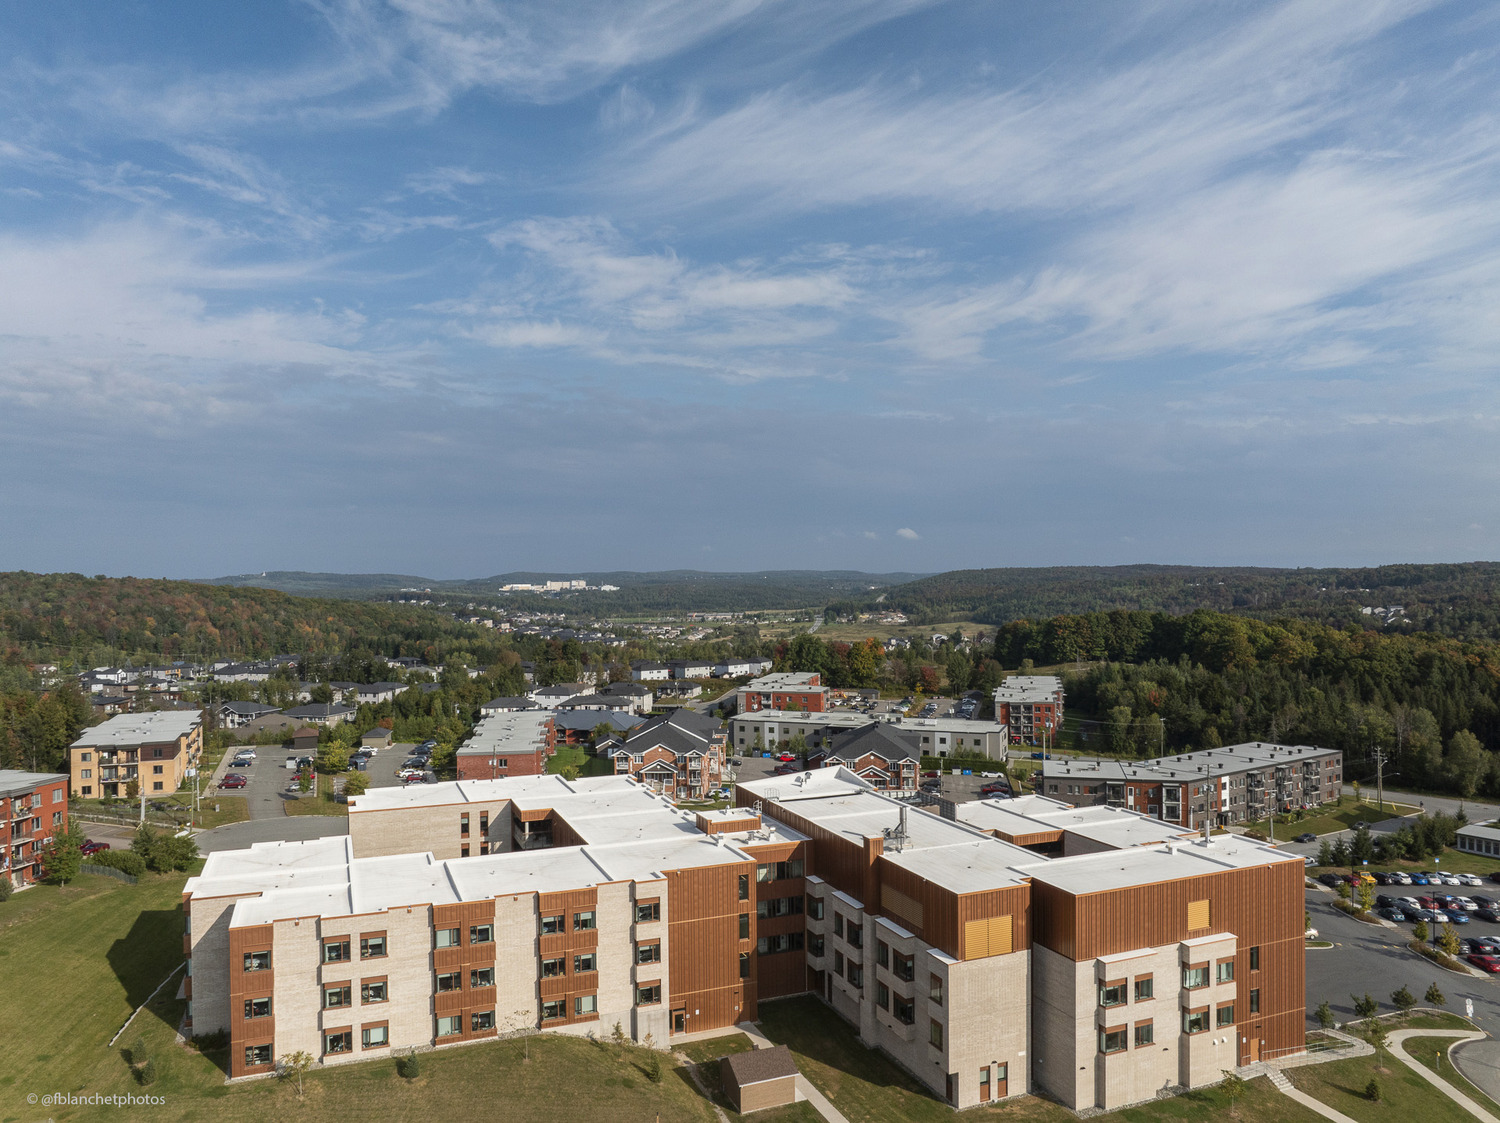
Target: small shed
(377, 738)
(305, 740)
(760, 1078)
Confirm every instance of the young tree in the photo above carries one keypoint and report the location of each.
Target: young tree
(1325, 853)
(1434, 996)
(1233, 1087)
(1361, 847)
(1376, 1035)
(1364, 1007)
(296, 1064)
(1366, 896)
(1403, 1000)
(1420, 932)
(1324, 1014)
(357, 784)
(63, 861)
(1340, 853)
(1372, 1090)
(1448, 940)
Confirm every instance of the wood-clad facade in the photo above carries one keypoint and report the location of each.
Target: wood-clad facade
(712, 969)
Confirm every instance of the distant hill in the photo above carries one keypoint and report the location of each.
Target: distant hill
(680, 590)
(1458, 599)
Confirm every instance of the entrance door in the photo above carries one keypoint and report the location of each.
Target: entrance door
(679, 1020)
(1254, 1051)
(1002, 1081)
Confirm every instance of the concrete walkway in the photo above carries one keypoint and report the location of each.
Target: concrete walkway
(1280, 1082)
(1433, 1078)
(805, 1089)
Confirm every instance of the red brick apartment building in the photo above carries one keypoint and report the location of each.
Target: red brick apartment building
(787, 691)
(680, 754)
(1004, 949)
(1031, 707)
(33, 807)
(514, 743)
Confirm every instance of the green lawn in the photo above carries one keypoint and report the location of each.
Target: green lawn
(705, 1056)
(1405, 1096)
(577, 755)
(869, 1088)
(1327, 820)
(1426, 1050)
(314, 805)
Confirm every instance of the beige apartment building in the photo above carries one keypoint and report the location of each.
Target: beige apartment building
(993, 949)
(158, 749)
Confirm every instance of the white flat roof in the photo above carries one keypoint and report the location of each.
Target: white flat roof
(1120, 869)
(1113, 826)
(136, 729)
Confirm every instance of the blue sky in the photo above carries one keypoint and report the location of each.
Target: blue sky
(453, 288)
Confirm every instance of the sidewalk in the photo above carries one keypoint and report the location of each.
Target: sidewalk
(1433, 1078)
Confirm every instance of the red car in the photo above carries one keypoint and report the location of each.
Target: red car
(785, 770)
(931, 774)
(1488, 963)
(995, 789)
(233, 780)
(786, 758)
(418, 779)
(92, 847)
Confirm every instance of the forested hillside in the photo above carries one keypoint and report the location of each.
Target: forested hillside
(1460, 600)
(1158, 681)
(48, 616)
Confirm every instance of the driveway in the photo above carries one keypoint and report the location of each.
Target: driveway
(282, 828)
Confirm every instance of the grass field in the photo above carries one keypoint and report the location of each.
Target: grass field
(1426, 1051)
(588, 765)
(314, 805)
(705, 1056)
(868, 1088)
(1405, 1096)
(1327, 820)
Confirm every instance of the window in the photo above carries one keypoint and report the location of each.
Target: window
(646, 912)
(1145, 987)
(856, 936)
(337, 995)
(1224, 1015)
(904, 1008)
(372, 947)
(838, 962)
(770, 945)
(463, 825)
(589, 961)
(648, 995)
(838, 924)
(779, 871)
(1255, 959)
(744, 886)
(815, 907)
(1225, 972)
(57, 818)
(156, 770)
(450, 980)
(744, 964)
(373, 992)
(935, 989)
(1194, 977)
(337, 952)
(257, 1007)
(905, 967)
(585, 1004)
(86, 774)
(156, 786)
(744, 925)
(583, 921)
(552, 925)
(482, 1021)
(1255, 1001)
(374, 1037)
(257, 1055)
(257, 961)
(882, 996)
(815, 945)
(648, 953)
(339, 1041)
(1145, 1033)
(552, 968)
(449, 1027)
(482, 977)
(778, 906)
(481, 933)
(856, 975)
(445, 938)
(1112, 994)
(935, 1033)
(551, 1011)
(1113, 1040)
(882, 954)
(1194, 1021)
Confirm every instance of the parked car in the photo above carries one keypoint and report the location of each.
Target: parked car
(1361, 824)
(1488, 914)
(1417, 879)
(245, 752)
(304, 762)
(417, 779)
(1400, 877)
(1432, 916)
(1485, 902)
(1408, 902)
(1465, 903)
(1385, 902)
(786, 758)
(1412, 915)
(233, 780)
(1470, 879)
(1332, 880)
(92, 847)
(1306, 836)
(1457, 916)
(291, 762)
(995, 789)
(1381, 877)
(1495, 877)
(1390, 914)
(932, 786)
(406, 773)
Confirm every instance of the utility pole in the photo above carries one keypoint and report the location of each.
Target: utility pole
(1379, 780)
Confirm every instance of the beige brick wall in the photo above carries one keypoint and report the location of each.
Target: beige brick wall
(416, 830)
(517, 964)
(988, 1019)
(209, 940)
(295, 952)
(653, 1020)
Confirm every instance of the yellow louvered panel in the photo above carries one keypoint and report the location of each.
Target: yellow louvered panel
(899, 904)
(1198, 916)
(992, 936)
(1002, 935)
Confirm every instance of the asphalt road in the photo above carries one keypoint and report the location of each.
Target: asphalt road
(1373, 959)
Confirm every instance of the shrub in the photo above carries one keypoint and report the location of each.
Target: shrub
(408, 1067)
(1372, 1090)
(126, 861)
(1325, 1014)
(138, 1054)
(1403, 1000)
(1365, 1007)
(653, 1068)
(1434, 996)
(148, 1071)
(211, 1042)
(6, 889)
(1419, 931)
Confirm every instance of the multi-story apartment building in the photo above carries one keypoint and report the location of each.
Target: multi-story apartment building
(1030, 707)
(940, 737)
(33, 807)
(882, 755)
(1237, 784)
(680, 754)
(508, 743)
(790, 690)
(951, 942)
(156, 749)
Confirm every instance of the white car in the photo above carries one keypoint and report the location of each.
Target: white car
(405, 772)
(1463, 903)
(1470, 879)
(1409, 902)
(1449, 878)
(244, 753)
(1401, 878)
